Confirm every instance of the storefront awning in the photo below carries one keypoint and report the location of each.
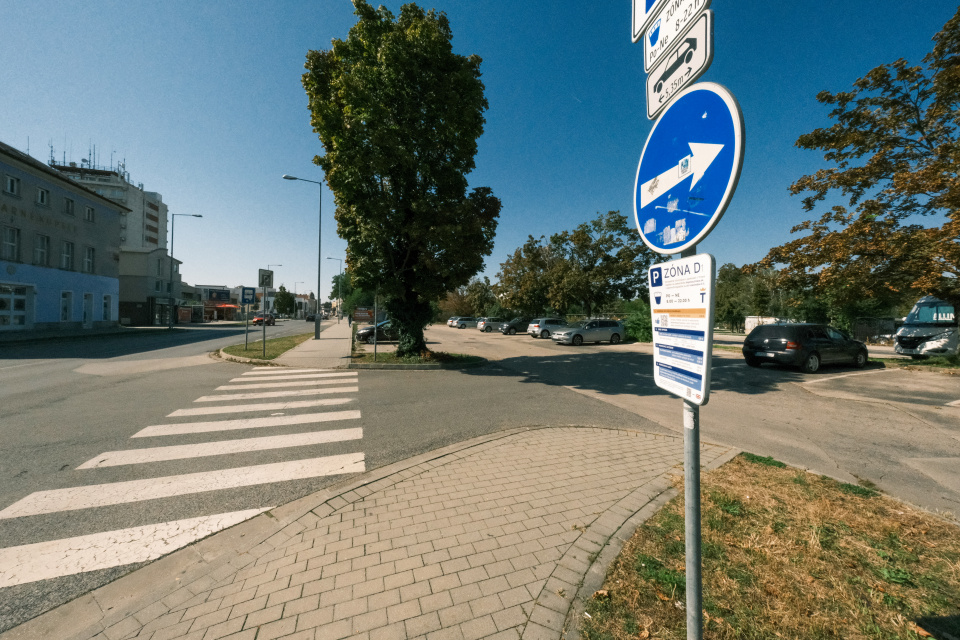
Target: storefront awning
(225, 306)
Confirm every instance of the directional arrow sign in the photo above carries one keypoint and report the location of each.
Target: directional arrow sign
(689, 168)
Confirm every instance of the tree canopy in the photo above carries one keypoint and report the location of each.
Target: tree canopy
(894, 230)
(399, 114)
(594, 264)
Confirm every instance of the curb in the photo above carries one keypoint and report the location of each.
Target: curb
(417, 367)
(231, 358)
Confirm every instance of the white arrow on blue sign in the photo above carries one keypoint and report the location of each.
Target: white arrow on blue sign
(689, 168)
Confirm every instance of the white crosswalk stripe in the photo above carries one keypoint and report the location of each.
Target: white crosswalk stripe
(280, 406)
(263, 406)
(70, 556)
(275, 394)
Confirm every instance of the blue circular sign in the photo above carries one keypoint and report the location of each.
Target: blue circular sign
(689, 168)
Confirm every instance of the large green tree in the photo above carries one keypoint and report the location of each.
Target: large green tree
(893, 230)
(524, 277)
(284, 301)
(399, 114)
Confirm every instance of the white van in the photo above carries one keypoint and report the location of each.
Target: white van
(929, 330)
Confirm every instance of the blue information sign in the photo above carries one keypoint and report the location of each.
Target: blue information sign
(248, 295)
(689, 168)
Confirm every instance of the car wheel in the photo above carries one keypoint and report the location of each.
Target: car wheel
(544, 334)
(811, 364)
(512, 332)
(463, 326)
(751, 361)
(369, 340)
(577, 341)
(615, 338)
(487, 329)
(861, 360)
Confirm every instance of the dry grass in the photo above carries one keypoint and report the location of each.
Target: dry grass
(787, 554)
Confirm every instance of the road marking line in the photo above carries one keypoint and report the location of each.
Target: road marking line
(955, 403)
(17, 366)
(259, 371)
(246, 423)
(70, 556)
(102, 495)
(275, 394)
(276, 385)
(846, 375)
(262, 406)
(219, 448)
(301, 376)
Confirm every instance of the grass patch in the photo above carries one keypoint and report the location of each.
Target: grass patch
(769, 461)
(727, 347)
(275, 347)
(790, 555)
(936, 362)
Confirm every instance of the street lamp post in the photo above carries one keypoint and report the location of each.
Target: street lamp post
(339, 289)
(173, 219)
(316, 325)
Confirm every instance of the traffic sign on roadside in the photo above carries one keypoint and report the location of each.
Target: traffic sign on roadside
(686, 62)
(643, 13)
(667, 28)
(266, 278)
(248, 295)
(689, 168)
(681, 303)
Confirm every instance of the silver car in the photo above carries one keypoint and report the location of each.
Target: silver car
(489, 324)
(545, 327)
(591, 331)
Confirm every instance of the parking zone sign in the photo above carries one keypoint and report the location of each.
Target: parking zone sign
(681, 303)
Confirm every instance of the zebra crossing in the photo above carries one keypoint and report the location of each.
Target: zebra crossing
(224, 412)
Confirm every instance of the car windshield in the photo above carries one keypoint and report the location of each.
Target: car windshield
(932, 313)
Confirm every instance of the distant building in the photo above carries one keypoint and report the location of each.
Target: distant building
(59, 250)
(146, 285)
(220, 302)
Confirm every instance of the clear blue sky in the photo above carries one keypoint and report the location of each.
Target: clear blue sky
(203, 100)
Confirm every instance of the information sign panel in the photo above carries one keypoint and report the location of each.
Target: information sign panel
(266, 278)
(643, 13)
(689, 168)
(248, 295)
(681, 306)
(668, 27)
(686, 62)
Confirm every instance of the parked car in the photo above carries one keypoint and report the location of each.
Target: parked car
(517, 324)
(591, 331)
(452, 322)
(466, 321)
(384, 332)
(311, 317)
(543, 327)
(802, 345)
(259, 319)
(930, 329)
(487, 324)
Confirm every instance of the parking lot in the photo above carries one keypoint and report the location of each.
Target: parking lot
(897, 428)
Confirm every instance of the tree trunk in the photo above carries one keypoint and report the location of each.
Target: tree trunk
(409, 316)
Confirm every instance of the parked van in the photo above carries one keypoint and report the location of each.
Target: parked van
(929, 330)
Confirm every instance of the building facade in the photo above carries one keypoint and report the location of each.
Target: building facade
(59, 250)
(147, 282)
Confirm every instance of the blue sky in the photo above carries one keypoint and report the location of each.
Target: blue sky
(204, 103)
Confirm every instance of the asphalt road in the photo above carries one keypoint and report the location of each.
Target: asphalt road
(68, 405)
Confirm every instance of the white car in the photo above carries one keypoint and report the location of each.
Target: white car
(591, 331)
(929, 330)
(489, 324)
(545, 327)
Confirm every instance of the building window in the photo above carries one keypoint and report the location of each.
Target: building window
(13, 306)
(69, 207)
(157, 286)
(11, 185)
(89, 259)
(159, 267)
(107, 307)
(88, 214)
(43, 197)
(10, 249)
(66, 256)
(66, 306)
(41, 250)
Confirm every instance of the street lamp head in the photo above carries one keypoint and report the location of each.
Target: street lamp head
(289, 177)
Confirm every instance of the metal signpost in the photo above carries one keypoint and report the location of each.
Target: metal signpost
(248, 295)
(684, 65)
(266, 280)
(688, 172)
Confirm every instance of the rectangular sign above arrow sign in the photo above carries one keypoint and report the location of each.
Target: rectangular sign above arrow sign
(682, 65)
(668, 27)
(643, 13)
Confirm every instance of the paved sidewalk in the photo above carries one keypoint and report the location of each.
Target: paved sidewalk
(502, 536)
(331, 351)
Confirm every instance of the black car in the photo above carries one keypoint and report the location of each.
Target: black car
(385, 333)
(802, 345)
(515, 325)
(311, 317)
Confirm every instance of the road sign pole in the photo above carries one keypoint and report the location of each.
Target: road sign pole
(264, 312)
